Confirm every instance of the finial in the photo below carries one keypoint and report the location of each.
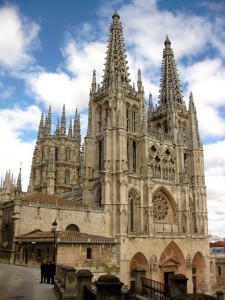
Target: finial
(116, 15)
(139, 75)
(167, 41)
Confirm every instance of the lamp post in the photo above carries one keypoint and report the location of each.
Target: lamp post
(54, 225)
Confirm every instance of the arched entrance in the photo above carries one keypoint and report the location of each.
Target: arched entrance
(139, 261)
(198, 273)
(171, 261)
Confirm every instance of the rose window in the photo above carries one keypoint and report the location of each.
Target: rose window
(160, 207)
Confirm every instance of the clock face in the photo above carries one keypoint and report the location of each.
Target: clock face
(160, 207)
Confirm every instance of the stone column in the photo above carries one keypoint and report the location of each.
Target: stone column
(57, 272)
(70, 286)
(63, 276)
(178, 285)
(84, 279)
(220, 295)
(138, 274)
(108, 287)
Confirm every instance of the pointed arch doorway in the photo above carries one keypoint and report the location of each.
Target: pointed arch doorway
(171, 262)
(198, 273)
(139, 261)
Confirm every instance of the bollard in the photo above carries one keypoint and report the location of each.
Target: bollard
(220, 295)
(108, 287)
(70, 290)
(63, 276)
(84, 279)
(178, 285)
(138, 274)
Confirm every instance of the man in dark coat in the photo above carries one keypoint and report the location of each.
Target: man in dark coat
(43, 271)
(48, 271)
(52, 268)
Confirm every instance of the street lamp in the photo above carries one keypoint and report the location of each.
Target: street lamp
(54, 225)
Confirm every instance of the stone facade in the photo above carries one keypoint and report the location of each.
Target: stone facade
(56, 159)
(73, 248)
(141, 168)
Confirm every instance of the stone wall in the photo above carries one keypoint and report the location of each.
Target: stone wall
(41, 216)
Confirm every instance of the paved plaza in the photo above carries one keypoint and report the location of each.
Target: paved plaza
(17, 282)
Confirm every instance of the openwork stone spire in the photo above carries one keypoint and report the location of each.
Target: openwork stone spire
(41, 127)
(194, 133)
(116, 64)
(48, 122)
(19, 181)
(63, 121)
(170, 90)
(76, 125)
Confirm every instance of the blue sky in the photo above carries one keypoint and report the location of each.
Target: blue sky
(49, 49)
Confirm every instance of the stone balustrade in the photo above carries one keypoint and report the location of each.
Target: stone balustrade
(77, 285)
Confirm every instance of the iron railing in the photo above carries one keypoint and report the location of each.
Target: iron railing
(155, 290)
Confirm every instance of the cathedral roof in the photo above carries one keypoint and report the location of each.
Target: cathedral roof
(217, 244)
(44, 198)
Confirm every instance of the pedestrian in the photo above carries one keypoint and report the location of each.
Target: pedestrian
(48, 271)
(43, 271)
(52, 268)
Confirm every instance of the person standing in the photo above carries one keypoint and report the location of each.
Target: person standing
(48, 270)
(43, 271)
(52, 268)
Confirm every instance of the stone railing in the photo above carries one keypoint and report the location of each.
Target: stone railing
(78, 285)
(165, 233)
(96, 240)
(160, 135)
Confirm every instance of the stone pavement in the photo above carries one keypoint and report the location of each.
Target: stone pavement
(17, 282)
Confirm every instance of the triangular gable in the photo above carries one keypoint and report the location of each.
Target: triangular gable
(169, 263)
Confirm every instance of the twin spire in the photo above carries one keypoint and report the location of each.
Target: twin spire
(116, 69)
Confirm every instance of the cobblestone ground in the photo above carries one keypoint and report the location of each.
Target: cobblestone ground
(17, 282)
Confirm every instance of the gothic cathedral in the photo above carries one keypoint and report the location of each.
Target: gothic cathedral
(143, 165)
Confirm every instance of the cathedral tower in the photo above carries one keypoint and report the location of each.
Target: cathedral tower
(146, 172)
(55, 164)
(116, 122)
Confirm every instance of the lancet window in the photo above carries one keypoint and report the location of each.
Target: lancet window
(100, 121)
(56, 153)
(133, 120)
(100, 155)
(67, 154)
(134, 156)
(67, 177)
(127, 117)
(98, 197)
(133, 212)
(165, 126)
(185, 163)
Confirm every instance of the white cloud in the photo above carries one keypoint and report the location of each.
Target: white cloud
(15, 148)
(71, 86)
(18, 36)
(215, 182)
(206, 80)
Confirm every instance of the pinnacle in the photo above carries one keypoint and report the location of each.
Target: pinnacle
(116, 65)
(170, 86)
